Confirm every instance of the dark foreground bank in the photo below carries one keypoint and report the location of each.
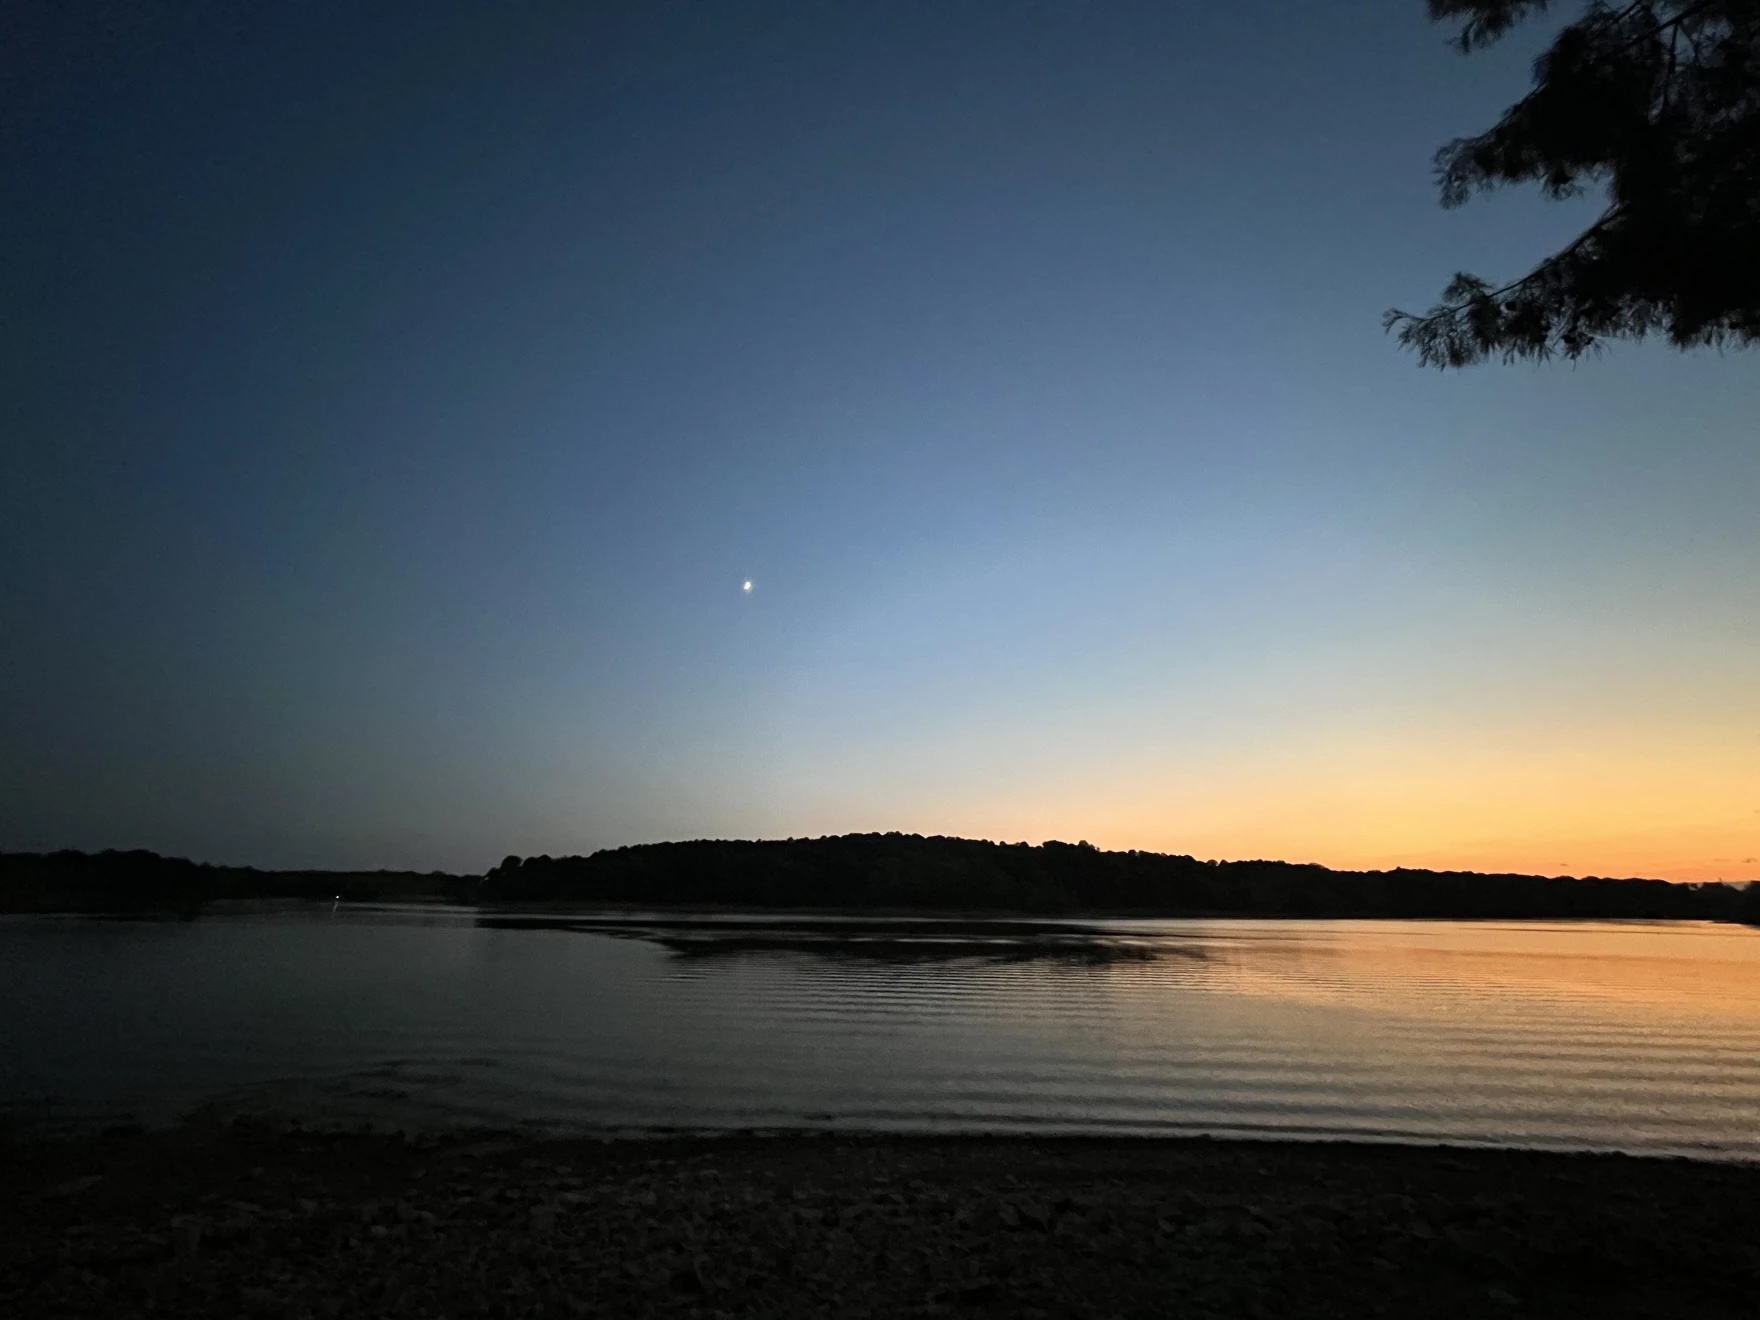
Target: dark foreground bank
(244, 1221)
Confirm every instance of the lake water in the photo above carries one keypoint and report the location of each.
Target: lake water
(1633, 1036)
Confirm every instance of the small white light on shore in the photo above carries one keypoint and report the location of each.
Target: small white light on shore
(746, 586)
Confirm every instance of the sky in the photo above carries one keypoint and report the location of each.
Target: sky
(395, 398)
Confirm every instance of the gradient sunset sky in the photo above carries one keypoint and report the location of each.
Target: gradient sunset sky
(398, 394)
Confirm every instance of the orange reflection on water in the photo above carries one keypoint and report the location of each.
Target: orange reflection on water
(1650, 971)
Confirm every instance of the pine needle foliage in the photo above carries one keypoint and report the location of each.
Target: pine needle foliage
(1654, 104)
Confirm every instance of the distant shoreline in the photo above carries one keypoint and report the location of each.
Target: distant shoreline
(588, 908)
(884, 874)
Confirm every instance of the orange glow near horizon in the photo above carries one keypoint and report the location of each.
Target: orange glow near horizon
(1682, 814)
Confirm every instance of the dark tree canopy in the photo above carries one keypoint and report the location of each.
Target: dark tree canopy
(1656, 102)
(880, 872)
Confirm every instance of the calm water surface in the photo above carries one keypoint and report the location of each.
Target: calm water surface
(1631, 1036)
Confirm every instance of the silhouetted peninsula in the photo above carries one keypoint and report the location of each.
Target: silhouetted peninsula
(882, 872)
(909, 871)
(138, 880)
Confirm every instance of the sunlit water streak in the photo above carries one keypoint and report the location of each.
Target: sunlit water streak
(1630, 1036)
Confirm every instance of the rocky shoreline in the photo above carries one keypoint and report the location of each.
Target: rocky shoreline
(246, 1219)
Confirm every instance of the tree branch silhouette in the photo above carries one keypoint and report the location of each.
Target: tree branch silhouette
(1675, 139)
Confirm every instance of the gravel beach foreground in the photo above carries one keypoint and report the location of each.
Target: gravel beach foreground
(248, 1219)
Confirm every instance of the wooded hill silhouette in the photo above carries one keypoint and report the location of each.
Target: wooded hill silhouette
(883, 872)
(909, 871)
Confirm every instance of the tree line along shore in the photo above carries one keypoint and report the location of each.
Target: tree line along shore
(883, 872)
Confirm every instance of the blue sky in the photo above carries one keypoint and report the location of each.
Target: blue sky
(399, 394)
